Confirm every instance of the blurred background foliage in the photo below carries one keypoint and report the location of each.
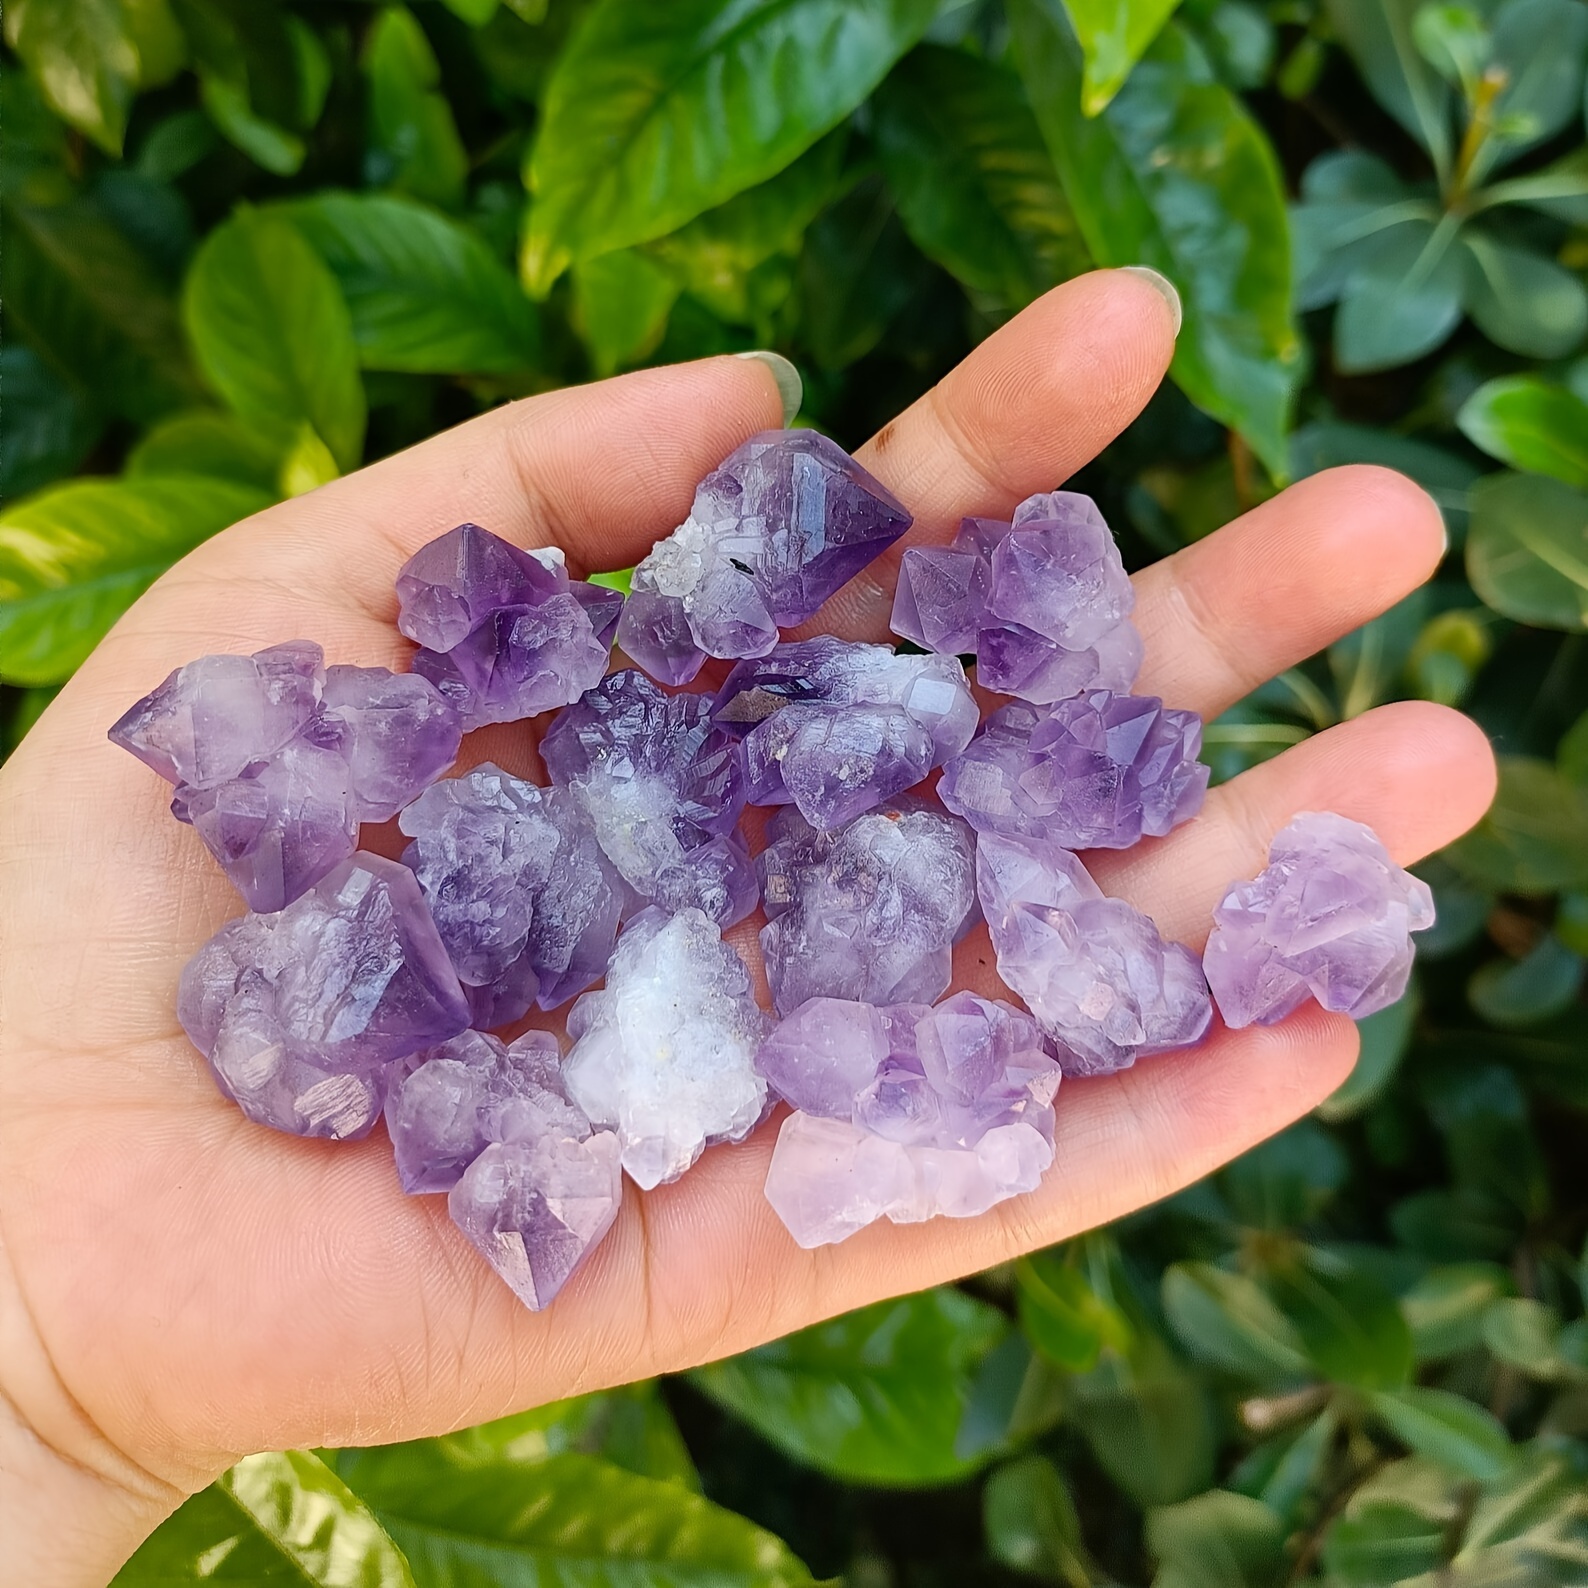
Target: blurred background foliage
(252, 244)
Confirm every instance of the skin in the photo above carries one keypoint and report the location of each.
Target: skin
(179, 1287)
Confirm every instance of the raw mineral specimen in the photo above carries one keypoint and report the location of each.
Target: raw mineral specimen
(1100, 980)
(277, 758)
(1330, 918)
(869, 912)
(304, 1013)
(1044, 605)
(664, 1053)
(523, 897)
(836, 728)
(905, 1112)
(782, 523)
(662, 786)
(505, 634)
(1096, 771)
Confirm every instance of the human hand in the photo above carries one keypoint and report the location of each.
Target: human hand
(181, 1286)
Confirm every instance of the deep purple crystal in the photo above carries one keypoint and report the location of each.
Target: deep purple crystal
(786, 519)
(662, 786)
(523, 897)
(277, 759)
(1096, 771)
(1094, 971)
(302, 1014)
(1330, 918)
(905, 1112)
(868, 912)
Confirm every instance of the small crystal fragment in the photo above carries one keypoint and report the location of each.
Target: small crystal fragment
(664, 1052)
(1096, 771)
(1330, 918)
(905, 1112)
(662, 786)
(1095, 972)
(869, 912)
(836, 728)
(786, 519)
(523, 897)
(303, 1013)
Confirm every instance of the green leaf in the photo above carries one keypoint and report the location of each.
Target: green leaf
(1216, 1540)
(273, 334)
(1031, 1524)
(475, 12)
(1401, 299)
(1445, 1308)
(1453, 1226)
(1350, 1326)
(284, 1519)
(566, 1519)
(654, 114)
(1528, 991)
(621, 303)
(1531, 424)
(1282, 1471)
(1534, 838)
(73, 558)
(1540, 46)
(1394, 1528)
(214, 444)
(95, 309)
(426, 294)
(1526, 303)
(876, 1396)
(1455, 41)
(1228, 1320)
(1064, 1316)
(1571, 754)
(29, 707)
(1559, 189)
(49, 429)
(1445, 1428)
(976, 187)
(1288, 1179)
(1526, 1333)
(1175, 174)
(1384, 1036)
(413, 142)
(1015, 1395)
(1113, 34)
(1527, 553)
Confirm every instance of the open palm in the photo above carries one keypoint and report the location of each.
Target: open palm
(182, 1286)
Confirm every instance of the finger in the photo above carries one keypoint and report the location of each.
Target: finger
(1040, 397)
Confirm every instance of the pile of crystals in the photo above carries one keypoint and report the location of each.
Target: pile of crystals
(358, 987)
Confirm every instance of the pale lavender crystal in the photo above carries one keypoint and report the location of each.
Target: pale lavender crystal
(302, 1014)
(277, 759)
(662, 786)
(1094, 971)
(664, 1053)
(869, 912)
(523, 897)
(1330, 918)
(1046, 607)
(836, 727)
(905, 1112)
(786, 519)
(504, 632)
(1097, 771)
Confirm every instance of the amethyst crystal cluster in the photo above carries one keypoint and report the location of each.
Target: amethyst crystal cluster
(357, 987)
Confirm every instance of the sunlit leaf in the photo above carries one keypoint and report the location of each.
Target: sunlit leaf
(1530, 424)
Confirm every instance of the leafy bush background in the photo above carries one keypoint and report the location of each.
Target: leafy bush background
(249, 245)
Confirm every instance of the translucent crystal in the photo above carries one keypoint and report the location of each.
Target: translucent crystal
(905, 1112)
(1097, 771)
(302, 1014)
(787, 519)
(1094, 971)
(664, 1053)
(868, 912)
(1330, 918)
(662, 786)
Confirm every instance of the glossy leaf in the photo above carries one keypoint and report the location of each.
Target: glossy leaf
(876, 1396)
(1113, 34)
(271, 1519)
(1445, 1428)
(1175, 174)
(1216, 1540)
(1528, 991)
(1031, 1523)
(413, 143)
(1526, 303)
(1402, 298)
(73, 558)
(1227, 1319)
(1533, 838)
(565, 1519)
(1527, 553)
(1350, 1327)
(975, 184)
(273, 334)
(621, 302)
(1530, 424)
(425, 293)
(1064, 1316)
(49, 427)
(214, 444)
(654, 114)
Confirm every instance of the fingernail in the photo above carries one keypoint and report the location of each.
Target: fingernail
(789, 385)
(1164, 286)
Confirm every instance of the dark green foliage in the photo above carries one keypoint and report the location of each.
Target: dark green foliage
(250, 244)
